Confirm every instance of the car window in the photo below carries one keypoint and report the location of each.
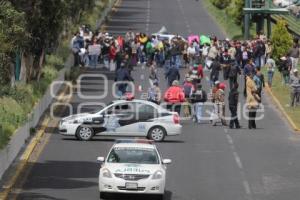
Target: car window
(120, 108)
(133, 155)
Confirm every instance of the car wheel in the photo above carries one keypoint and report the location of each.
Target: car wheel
(157, 134)
(159, 197)
(84, 133)
(104, 195)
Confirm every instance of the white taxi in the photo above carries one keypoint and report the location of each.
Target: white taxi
(134, 167)
(123, 118)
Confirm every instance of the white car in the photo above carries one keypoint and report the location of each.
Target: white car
(133, 167)
(123, 118)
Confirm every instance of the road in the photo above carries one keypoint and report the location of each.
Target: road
(209, 163)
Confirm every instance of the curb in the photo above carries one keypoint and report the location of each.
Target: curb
(24, 159)
(7, 187)
(281, 109)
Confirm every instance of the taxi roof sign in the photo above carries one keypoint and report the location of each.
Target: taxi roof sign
(139, 141)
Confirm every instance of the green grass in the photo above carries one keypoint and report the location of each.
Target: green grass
(224, 21)
(282, 93)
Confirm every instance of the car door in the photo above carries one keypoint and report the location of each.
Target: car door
(120, 119)
(145, 116)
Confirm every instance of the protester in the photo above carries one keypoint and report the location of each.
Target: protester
(294, 54)
(285, 68)
(271, 66)
(249, 70)
(295, 88)
(153, 74)
(233, 100)
(198, 98)
(188, 89)
(259, 80)
(174, 97)
(219, 105)
(252, 101)
(215, 70)
(154, 93)
(172, 74)
(122, 75)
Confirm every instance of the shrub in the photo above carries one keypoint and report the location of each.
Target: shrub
(281, 40)
(56, 61)
(221, 4)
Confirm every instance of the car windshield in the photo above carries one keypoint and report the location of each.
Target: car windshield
(133, 155)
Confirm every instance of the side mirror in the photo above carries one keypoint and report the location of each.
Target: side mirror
(167, 161)
(101, 159)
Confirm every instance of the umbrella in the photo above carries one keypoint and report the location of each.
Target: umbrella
(191, 38)
(204, 40)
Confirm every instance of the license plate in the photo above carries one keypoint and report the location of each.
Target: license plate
(131, 186)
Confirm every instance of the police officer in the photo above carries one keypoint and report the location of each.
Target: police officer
(233, 99)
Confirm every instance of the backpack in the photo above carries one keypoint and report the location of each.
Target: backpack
(187, 88)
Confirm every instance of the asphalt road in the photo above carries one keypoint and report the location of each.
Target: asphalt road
(209, 163)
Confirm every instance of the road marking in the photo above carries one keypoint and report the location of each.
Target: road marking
(229, 138)
(187, 24)
(247, 187)
(237, 160)
(148, 16)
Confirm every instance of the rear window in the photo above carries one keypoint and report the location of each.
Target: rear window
(133, 155)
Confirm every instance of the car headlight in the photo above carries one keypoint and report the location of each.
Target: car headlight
(106, 173)
(157, 175)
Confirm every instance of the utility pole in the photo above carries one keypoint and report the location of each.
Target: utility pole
(247, 21)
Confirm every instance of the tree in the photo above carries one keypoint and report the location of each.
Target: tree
(281, 39)
(235, 10)
(12, 39)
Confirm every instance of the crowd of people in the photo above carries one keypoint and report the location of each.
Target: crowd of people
(231, 58)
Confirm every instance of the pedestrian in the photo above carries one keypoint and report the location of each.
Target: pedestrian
(295, 88)
(233, 100)
(112, 57)
(77, 45)
(172, 74)
(198, 98)
(234, 71)
(259, 80)
(252, 101)
(154, 93)
(174, 97)
(249, 69)
(226, 63)
(153, 73)
(271, 66)
(188, 89)
(220, 105)
(294, 54)
(215, 70)
(122, 75)
(285, 68)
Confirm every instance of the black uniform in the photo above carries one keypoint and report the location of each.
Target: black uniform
(233, 105)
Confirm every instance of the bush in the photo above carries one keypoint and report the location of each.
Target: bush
(221, 4)
(56, 61)
(235, 10)
(11, 112)
(281, 40)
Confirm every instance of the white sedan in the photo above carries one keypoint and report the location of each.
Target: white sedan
(123, 118)
(133, 167)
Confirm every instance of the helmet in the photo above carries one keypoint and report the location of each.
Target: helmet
(222, 86)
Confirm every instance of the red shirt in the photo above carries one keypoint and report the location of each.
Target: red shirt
(200, 71)
(174, 94)
(112, 53)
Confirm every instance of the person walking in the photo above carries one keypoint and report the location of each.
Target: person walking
(252, 101)
(259, 80)
(234, 71)
(294, 54)
(249, 70)
(172, 75)
(174, 97)
(122, 75)
(198, 98)
(154, 93)
(215, 71)
(188, 89)
(295, 88)
(271, 66)
(233, 100)
(153, 73)
(220, 105)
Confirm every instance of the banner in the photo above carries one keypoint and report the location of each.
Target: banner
(94, 49)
